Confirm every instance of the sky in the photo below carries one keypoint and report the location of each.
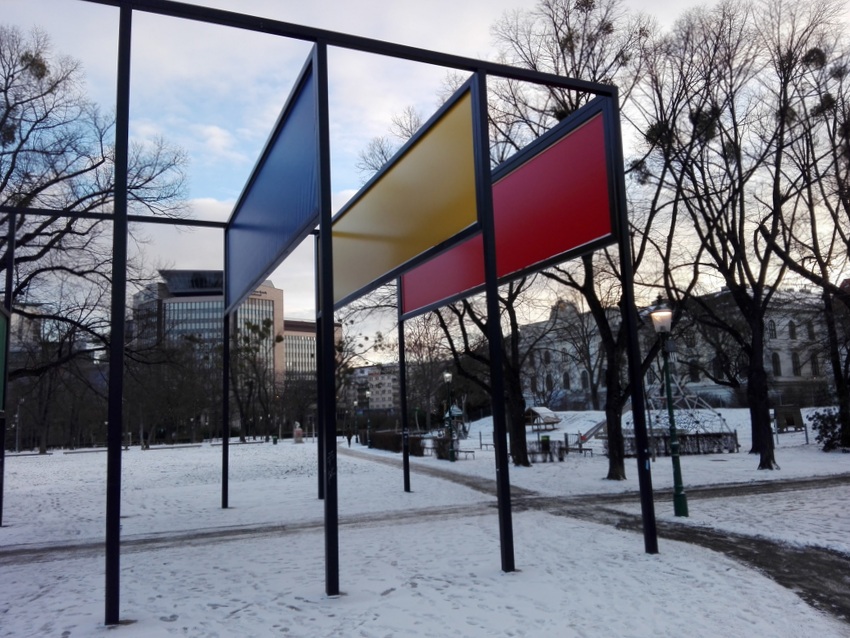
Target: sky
(420, 564)
(216, 93)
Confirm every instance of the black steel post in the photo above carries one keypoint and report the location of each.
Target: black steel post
(225, 409)
(117, 332)
(402, 387)
(266, 25)
(630, 320)
(325, 312)
(320, 413)
(494, 328)
(7, 307)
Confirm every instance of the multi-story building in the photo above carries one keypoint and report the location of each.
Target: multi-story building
(299, 347)
(375, 388)
(189, 305)
(186, 309)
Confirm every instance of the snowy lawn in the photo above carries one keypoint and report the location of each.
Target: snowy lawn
(419, 564)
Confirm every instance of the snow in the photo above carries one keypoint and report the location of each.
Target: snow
(425, 563)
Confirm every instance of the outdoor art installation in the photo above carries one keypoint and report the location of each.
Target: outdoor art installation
(435, 205)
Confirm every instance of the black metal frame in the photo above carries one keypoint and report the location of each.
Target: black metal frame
(120, 219)
(9, 265)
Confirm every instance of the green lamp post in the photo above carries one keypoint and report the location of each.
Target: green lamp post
(447, 377)
(662, 319)
(368, 420)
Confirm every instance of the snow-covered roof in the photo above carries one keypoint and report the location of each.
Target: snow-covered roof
(541, 415)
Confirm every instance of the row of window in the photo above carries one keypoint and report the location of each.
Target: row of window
(796, 364)
(300, 353)
(693, 372)
(567, 382)
(792, 330)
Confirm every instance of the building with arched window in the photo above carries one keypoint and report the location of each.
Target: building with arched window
(708, 361)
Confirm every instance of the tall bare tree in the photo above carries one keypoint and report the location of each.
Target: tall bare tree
(723, 123)
(57, 154)
(427, 357)
(817, 233)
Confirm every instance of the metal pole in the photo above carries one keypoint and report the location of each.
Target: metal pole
(18, 428)
(368, 419)
(630, 322)
(320, 447)
(118, 306)
(450, 425)
(402, 383)
(680, 500)
(325, 318)
(225, 409)
(484, 193)
(7, 308)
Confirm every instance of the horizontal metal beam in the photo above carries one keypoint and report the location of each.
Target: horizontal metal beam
(353, 42)
(143, 219)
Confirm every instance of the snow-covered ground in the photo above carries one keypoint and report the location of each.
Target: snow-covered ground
(425, 563)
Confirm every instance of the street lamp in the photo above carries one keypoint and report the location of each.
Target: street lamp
(662, 319)
(18, 427)
(368, 420)
(447, 377)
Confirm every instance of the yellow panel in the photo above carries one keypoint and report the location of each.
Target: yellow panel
(426, 197)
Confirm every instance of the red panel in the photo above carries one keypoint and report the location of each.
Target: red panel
(551, 205)
(554, 203)
(453, 272)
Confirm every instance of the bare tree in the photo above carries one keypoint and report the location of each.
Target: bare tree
(56, 154)
(381, 149)
(464, 326)
(589, 39)
(726, 147)
(593, 40)
(253, 379)
(817, 232)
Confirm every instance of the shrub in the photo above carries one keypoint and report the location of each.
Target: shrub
(389, 441)
(828, 429)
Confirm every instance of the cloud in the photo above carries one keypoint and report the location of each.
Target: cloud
(218, 143)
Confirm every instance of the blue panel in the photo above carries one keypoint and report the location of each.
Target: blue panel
(280, 203)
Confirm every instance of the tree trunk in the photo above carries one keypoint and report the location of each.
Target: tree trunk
(516, 425)
(42, 440)
(616, 447)
(842, 388)
(760, 417)
(594, 396)
(614, 423)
